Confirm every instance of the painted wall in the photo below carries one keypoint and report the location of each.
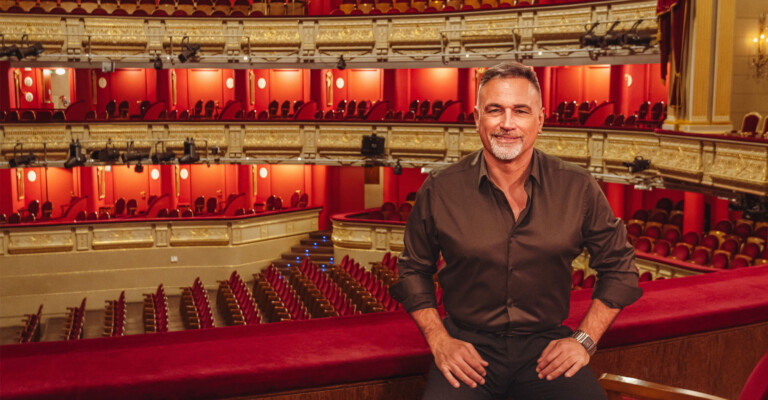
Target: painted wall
(747, 93)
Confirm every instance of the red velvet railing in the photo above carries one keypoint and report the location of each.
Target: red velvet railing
(245, 360)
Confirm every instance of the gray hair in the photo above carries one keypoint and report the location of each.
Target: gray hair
(509, 70)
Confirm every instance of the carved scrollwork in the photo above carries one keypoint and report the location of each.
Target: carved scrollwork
(122, 35)
(343, 35)
(680, 158)
(114, 238)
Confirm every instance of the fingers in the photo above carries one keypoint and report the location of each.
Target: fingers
(561, 356)
(460, 361)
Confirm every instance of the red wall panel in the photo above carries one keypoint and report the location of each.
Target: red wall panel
(287, 84)
(129, 184)
(434, 84)
(597, 83)
(365, 84)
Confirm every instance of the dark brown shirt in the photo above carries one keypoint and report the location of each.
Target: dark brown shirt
(507, 274)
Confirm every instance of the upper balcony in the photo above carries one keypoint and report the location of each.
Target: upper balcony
(547, 34)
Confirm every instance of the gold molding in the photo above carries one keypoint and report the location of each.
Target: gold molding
(19, 184)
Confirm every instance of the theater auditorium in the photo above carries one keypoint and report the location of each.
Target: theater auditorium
(204, 199)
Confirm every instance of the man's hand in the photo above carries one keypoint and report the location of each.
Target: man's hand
(459, 359)
(565, 355)
(454, 358)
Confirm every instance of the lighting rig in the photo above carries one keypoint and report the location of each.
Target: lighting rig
(27, 49)
(630, 39)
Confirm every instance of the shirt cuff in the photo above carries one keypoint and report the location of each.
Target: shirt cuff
(414, 292)
(615, 293)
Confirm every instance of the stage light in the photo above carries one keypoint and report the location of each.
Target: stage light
(21, 160)
(8, 51)
(638, 164)
(397, 169)
(106, 154)
(611, 38)
(190, 153)
(632, 38)
(372, 145)
(131, 154)
(76, 157)
(341, 65)
(188, 50)
(163, 157)
(589, 39)
(138, 168)
(158, 63)
(32, 50)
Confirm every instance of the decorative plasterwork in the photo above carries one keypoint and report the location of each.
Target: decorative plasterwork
(32, 137)
(741, 168)
(680, 158)
(570, 146)
(313, 42)
(105, 237)
(100, 236)
(40, 241)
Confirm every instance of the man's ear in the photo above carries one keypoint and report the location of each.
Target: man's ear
(476, 113)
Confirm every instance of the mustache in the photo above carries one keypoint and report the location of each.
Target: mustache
(507, 135)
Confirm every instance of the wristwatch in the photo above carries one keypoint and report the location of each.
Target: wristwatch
(585, 341)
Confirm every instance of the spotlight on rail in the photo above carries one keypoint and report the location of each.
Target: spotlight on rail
(611, 38)
(158, 63)
(190, 152)
(589, 39)
(188, 50)
(28, 50)
(138, 168)
(397, 169)
(372, 145)
(106, 154)
(633, 38)
(76, 157)
(638, 164)
(22, 160)
(131, 154)
(8, 51)
(166, 156)
(341, 65)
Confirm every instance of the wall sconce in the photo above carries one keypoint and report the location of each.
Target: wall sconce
(760, 59)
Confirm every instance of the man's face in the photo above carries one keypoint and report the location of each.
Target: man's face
(508, 116)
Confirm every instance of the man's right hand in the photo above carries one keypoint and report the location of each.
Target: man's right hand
(454, 358)
(458, 360)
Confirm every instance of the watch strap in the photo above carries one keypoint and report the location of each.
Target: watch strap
(582, 337)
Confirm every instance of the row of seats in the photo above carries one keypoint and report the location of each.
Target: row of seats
(361, 7)
(195, 307)
(235, 302)
(123, 208)
(751, 127)
(74, 321)
(271, 307)
(723, 247)
(155, 314)
(316, 290)
(647, 116)
(114, 316)
(160, 8)
(287, 294)
(31, 330)
(388, 212)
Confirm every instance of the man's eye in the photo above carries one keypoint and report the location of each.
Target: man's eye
(520, 111)
(494, 111)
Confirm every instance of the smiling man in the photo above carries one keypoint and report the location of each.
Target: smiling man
(509, 220)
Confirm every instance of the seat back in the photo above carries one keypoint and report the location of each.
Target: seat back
(749, 124)
(210, 205)
(273, 107)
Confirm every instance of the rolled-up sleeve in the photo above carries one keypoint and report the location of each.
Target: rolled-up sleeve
(605, 237)
(415, 288)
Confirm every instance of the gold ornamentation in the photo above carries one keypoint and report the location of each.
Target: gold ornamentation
(19, 183)
(119, 238)
(196, 235)
(39, 242)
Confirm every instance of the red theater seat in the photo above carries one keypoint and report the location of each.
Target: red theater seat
(661, 248)
(700, 255)
(643, 244)
(681, 252)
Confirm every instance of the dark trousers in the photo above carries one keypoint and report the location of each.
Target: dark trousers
(511, 371)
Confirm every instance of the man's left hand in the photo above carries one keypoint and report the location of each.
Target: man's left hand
(565, 355)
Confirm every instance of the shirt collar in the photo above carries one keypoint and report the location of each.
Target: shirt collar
(479, 161)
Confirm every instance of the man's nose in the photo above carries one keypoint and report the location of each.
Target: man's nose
(508, 121)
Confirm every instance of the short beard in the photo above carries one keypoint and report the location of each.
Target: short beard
(504, 152)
